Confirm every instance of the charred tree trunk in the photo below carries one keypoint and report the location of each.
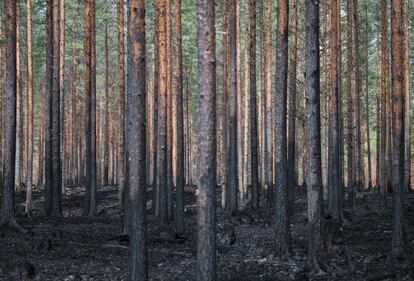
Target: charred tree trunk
(29, 163)
(62, 130)
(268, 96)
(334, 177)
(136, 140)
(367, 111)
(9, 104)
(397, 178)
(170, 113)
(350, 106)
(253, 107)
(206, 128)
(357, 105)
(407, 97)
(121, 112)
(179, 119)
(107, 121)
(232, 179)
(313, 137)
(383, 117)
(19, 102)
(56, 183)
(90, 107)
(48, 109)
(162, 185)
(283, 236)
(291, 157)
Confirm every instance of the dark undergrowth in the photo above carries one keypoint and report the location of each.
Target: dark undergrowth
(78, 248)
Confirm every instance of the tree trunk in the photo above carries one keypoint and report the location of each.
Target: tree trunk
(241, 191)
(350, 104)
(90, 106)
(62, 130)
(247, 98)
(9, 134)
(206, 128)
(1, 98)
(334, 177)
(384, 73)
(154, 203)
(367, 111)
(107, 121)
(56, 129)
(223, 111)
(397, 178)
(313, 137)
(292, 105)
(179, 118)
(283, 236)
(160, 21)
(232, 179)
(48, 110)
(253, 106)
(121, 112)
(19, 102)
(136, 140)
(29, 163)
(357, 108)
(170, 113)
(407, 97)
(268, 96)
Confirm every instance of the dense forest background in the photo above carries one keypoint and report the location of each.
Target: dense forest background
(368, 27)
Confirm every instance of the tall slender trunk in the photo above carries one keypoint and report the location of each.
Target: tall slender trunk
(107, 120)
(9, 134)
(136, 140)
(397, 176)
(246, 115)
(1, 97)
(378, 130)
(179, 118)
(350, 105)
(253, 106)
(357, 105)
(292, 105)
(121, 113)
(283, 236)
(223, 111)
(170, 113)
(206, 128)
(74, 126)
(62, 130)
(334, 177)
(55, 126)
(29, 163)
(340, 108)
(241, 191)
(383, 105)
(268, 96)
(407, 97)
(48, 109)
(154, 203)
(313, 137)
(232, 179)
(90, 106)
(260, 95)
(367, 111)
(162, 185)
(19, 101)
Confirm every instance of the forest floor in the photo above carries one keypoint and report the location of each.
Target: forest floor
(78, 248)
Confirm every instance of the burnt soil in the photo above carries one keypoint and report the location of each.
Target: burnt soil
(78, 248)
